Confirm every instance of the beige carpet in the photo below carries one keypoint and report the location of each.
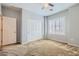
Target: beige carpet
(42, 48)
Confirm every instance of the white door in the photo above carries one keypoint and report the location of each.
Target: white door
(0, 30)
(9, 30)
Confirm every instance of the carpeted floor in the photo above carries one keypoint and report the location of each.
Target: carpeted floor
(41, 48)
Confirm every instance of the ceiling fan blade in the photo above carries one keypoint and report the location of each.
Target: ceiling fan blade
(51, 5)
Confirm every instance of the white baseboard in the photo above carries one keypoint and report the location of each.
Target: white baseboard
(34, 39)
(73, 44)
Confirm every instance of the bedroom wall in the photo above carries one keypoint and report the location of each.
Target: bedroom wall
(32, 26)
(72, 26)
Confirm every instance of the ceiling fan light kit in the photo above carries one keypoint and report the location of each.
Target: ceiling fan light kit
(47, 6)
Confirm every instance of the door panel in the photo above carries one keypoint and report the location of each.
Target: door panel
(9, 30)
(0, 30)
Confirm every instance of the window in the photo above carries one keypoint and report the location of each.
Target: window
(57, 25)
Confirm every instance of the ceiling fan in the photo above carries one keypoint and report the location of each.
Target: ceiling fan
(48, 6)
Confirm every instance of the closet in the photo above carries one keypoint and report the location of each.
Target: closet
(0, 30)
(8, 30)
(10, 25)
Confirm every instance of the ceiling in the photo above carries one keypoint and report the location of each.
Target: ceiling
(36, 7)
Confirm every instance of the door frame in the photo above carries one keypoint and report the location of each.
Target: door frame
(1, 45)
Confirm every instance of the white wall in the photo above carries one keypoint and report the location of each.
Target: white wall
(32, 26)
(72, 26)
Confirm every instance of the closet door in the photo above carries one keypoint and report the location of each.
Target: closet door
(9, 30)
(0, 30)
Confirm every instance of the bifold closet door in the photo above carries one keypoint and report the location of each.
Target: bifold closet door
(9, 30)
